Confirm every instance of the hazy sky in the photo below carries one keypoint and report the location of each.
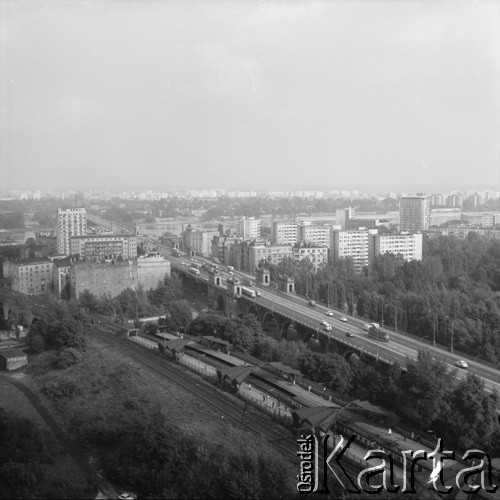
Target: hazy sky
(371, 95)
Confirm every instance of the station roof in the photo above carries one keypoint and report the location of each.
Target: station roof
(321, 417)
(215, 340)
(177, 344)
(236, 373)
(12, 353)
(278, 365)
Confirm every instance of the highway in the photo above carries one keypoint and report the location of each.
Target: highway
(399, 349)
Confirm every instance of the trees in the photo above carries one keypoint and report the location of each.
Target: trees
(331, 369)
(427, 384)
(475, 420)
(180, 315)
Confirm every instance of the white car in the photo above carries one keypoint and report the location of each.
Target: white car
(461, 364)
(258, 293)
(328, 327)
(323, 323)
(343, 318)
(329, 313)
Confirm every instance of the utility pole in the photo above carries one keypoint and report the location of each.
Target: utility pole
(382, 320)
(451, 347)
(434, 329)
(396, 318)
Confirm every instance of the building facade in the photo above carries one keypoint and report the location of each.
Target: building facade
(317, 235)
(414, 213)
(70, 222)
(284, 233)
(356, 245)
(30, 276)
(97, 247)
(12, 359)
(249, 228)
(62, 273)
(409, 246)
(112, 278)
(197, 242)
(463, 232)
(317, 255)
(272, 254)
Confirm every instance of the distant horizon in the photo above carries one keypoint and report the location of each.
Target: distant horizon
(323, 189)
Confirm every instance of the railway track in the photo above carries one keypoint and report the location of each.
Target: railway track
(231, 409)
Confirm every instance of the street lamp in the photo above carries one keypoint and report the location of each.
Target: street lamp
(433, 327)
(451, 346)
(395, 317)
(382, 320)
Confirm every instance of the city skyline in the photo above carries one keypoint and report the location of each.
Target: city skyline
(371, 96)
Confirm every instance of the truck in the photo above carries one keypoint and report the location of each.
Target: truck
(248, 292)
(378, 334)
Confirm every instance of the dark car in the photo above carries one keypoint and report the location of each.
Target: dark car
(349, 334)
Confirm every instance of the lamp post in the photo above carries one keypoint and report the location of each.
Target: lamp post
(382, 320)
(451, 346)
(433, 327)
(395, 317)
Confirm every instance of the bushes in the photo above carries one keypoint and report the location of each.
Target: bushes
(67, 357)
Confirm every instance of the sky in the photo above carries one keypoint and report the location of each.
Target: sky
(372, 95)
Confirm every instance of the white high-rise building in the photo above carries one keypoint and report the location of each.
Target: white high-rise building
(407, 245)
(249, 228)
(357, 245)
(70, 222)
(284, 233)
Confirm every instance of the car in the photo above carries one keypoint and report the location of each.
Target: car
(323, 323)
(329, 313)
(343, 318)
(127, 496)
(349, 334)
(328, 327)
(461, 364)
(258, 293)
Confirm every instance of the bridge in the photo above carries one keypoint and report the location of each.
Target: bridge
(276, 310)
(283, 314)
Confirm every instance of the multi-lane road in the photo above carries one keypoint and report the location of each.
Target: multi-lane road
(399, 349)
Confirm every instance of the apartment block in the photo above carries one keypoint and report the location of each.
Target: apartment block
(70, 222)
(249, 228)
(490, 220)
(317, 235)
(284, 233)
(414, 213)
(317, 255)
(30, 276)
(97, 247)
(272, 254)
(198, 242)
(409, 246)
(463, 232)
(357, 245)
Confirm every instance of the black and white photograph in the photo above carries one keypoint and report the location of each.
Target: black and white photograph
(250, 249)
